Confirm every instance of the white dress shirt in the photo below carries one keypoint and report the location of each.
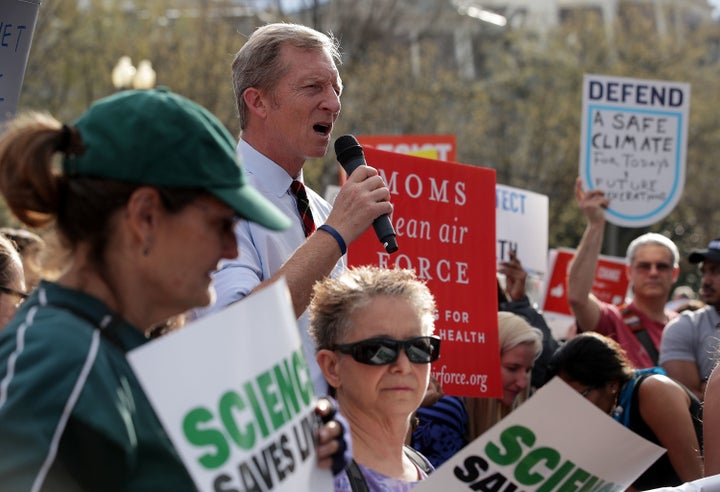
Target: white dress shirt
(262, 252)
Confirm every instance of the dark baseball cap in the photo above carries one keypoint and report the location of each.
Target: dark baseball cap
(711, 253)
(159, 138)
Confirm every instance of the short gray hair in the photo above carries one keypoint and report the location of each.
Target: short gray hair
(257, 64)
(652, 238)
(335, 299)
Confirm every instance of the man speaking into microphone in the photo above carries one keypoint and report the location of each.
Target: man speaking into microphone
(287, 91)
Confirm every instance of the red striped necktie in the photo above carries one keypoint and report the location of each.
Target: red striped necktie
(303, 205)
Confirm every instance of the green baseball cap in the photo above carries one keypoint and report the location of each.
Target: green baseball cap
(158, 138)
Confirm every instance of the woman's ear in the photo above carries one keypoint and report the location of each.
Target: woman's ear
(141, 215)
(329, 365)
(614, 387)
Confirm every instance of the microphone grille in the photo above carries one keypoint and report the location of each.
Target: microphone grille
(347, 147)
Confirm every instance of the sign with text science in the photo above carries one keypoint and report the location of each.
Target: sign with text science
(633, 145)
(17, 24)
(555, 441)
(521, 222)
(234, 394)
(444, 218)
(440, 147)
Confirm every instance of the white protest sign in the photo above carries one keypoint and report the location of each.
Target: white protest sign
(556, 440)
(234, 394)
(521, 224)
(17, 24)
(633, 145)
(707, 484)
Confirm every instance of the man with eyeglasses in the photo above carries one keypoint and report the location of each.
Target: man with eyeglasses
(690, 344)
(652, 269)
(12, 281)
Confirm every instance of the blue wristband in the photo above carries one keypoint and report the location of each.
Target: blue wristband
(336, 235)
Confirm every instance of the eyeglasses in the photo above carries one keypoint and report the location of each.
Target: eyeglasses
(381, 351)
(21, 296)
(646, 266)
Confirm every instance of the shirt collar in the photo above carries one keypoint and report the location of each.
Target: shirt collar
(268, 175)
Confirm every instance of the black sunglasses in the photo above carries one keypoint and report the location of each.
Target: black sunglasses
(380, 351)
(12, 292)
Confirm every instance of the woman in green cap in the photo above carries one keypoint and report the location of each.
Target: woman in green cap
(145, 204)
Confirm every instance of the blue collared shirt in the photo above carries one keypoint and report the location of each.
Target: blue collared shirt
(262, 252)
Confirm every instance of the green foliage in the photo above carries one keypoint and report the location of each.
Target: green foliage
(520, 115)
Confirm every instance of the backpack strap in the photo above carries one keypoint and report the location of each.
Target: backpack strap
(621, 413)
(634, 323)
(355, 477)
(358, 483)
(418, 459)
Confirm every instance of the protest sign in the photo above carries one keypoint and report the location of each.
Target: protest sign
(609, 285)
(521, 221)
(555, 441)
(441, 147)
(234, 394)
(17, 24)
(707, 484)
(633, 145)
(444, 217)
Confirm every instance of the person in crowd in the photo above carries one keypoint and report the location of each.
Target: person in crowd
(373, 329)
(690, 344)
(31, 248)
(520, 345)
(448, 425)
(12, 281)
(440, 427)
(145, 202)
(644, 400)
(681, 296)
(513, 299)
(652, 269)
(287, 89)
(689, 305)
(711, 424)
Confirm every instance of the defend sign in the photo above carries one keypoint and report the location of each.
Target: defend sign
(633, 145)
(444, 218)
(234, 394)
(555, 441)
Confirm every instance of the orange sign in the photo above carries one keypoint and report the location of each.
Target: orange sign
(440, 147)
(445, 223)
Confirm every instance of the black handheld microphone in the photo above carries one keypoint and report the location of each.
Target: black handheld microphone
(350, 155)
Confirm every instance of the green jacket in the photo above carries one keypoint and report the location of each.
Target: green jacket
(72, 413)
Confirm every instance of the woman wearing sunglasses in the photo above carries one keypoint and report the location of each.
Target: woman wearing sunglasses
(373, 329)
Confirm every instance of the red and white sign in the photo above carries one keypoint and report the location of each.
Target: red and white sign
(445, 223)
(610, 285)
(440, 147)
